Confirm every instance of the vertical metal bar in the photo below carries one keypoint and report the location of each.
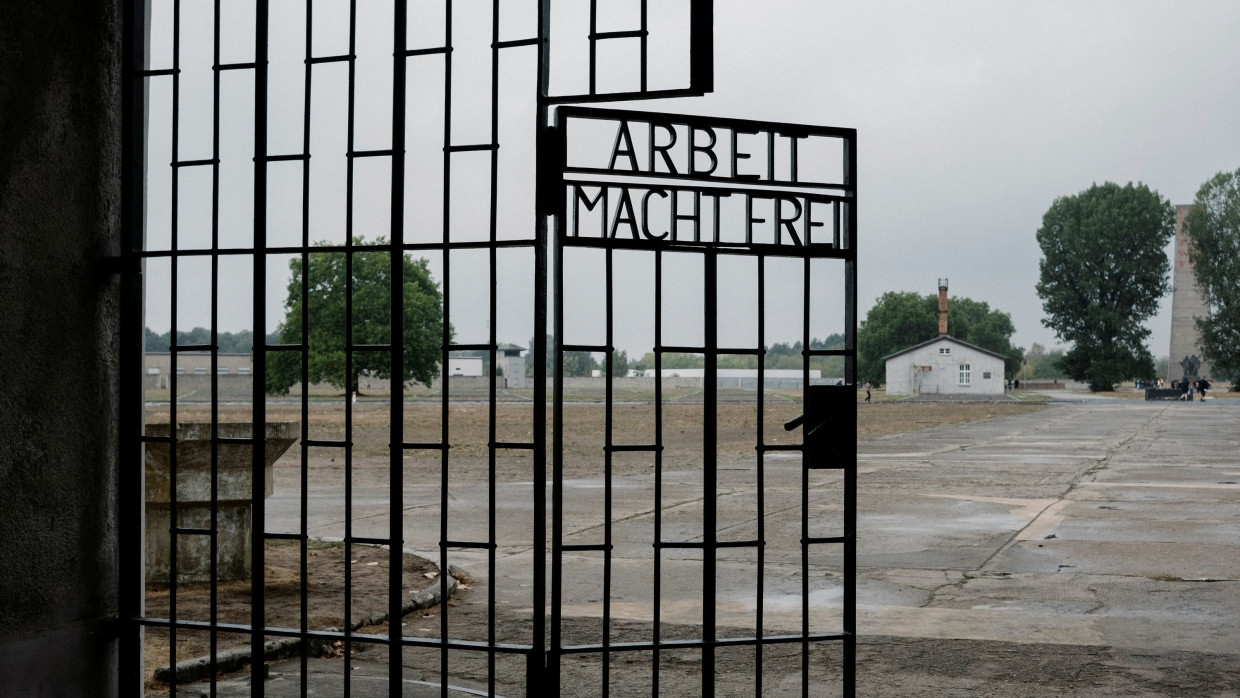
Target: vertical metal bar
(593, 47)
(645, 31)
(492, 339)
(710, 457)
(656, 635)
(541, 679)
(702, 46)
(257, 450)
(396, 421)
(807, 282)
(547, 181)
(350, 381)
(213, 602)
(761, 475)
(129, 496)
(850, 473)
(446, 343)
(609, 299)
(303, 523)
(173, 338)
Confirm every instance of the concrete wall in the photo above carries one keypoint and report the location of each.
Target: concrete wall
(59, 207)
(944, 375)
(1186, 305)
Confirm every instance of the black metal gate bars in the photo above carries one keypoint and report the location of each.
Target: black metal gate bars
(287, 147)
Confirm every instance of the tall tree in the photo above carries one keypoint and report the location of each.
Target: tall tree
(1213, 225)
(369, 299)
(901, 319)
(1103, 271)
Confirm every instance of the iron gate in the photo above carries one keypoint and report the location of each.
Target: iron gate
(262, 145)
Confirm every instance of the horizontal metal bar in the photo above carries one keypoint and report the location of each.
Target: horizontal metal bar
(618, 448)
(284, 347)
(740, 543)
(603, 348)
(285, 536)
(679, 545)
(514, 445)
(470, 347)
(235, 66)
(328, 249)
(324, 443)
(185, 348)
(368, 541)
(469, 148)
(429, 446)
(832, 539)
(330, 59)
(195, 163)
(160, 72)
(815, 251)
(740, 352)
(586, 547)
(621, 96)
(369, 154)
(679, 350)
(155, 439)
(286, 158)
(235, 440)
(819, 192)
(626, 34)
(407, 641)
(783, 128)
(427, 51)
(779, 447)
(467, 544)
(698, 644)
(829, 352)
(515, 42)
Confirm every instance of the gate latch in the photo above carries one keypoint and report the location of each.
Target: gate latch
(829, 426)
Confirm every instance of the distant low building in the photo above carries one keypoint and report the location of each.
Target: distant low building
(464, 366)
(944, 365)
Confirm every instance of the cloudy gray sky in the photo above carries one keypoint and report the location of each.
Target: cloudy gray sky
(971, 116)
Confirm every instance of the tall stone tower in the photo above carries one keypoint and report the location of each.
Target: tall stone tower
(1186, 304)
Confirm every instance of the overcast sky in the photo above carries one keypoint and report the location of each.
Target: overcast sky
(972, 118)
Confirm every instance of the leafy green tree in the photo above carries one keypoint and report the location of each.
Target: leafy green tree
(620, 364)
(369, 298)
(899, 320)
(579, 363)
(1213, 225)
(1103, 271)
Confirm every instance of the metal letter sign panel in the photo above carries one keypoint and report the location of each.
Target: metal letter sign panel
(318, 193)
(725, 203)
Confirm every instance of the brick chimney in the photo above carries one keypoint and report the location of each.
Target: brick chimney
(942, 307)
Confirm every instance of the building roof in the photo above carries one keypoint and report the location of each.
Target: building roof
(948, 338)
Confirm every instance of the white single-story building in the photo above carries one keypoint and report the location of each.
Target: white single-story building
(944, 365)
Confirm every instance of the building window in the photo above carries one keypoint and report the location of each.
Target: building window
(945, 350)
(986, 375)
(964, 374)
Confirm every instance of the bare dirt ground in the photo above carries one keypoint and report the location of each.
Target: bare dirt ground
(325, 598)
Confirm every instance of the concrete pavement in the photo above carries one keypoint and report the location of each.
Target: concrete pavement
(1103, 523)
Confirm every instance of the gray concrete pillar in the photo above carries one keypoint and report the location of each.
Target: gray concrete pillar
(60, 148)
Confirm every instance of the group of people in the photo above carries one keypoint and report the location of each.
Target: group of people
(1200, 386)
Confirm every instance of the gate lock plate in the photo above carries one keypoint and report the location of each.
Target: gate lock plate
(829, 426)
